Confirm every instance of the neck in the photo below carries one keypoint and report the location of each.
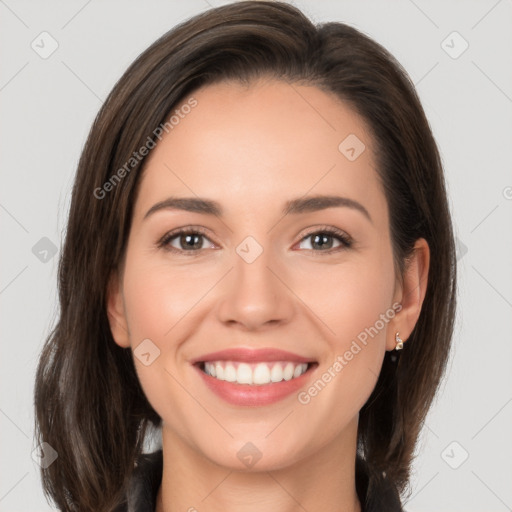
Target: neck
(323, 482)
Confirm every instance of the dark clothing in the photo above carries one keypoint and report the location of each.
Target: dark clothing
(147, 477)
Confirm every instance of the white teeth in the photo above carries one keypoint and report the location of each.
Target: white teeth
(219, 371)
(276, 374)
(261, 374)
(244, 374)
(288, 371)
(230, 373)
(209, 368)
(297, 372)
(256, 373)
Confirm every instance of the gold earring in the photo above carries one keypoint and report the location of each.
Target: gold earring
(399, 341)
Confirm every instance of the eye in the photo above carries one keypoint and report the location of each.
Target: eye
(189, 240)
(323, 237)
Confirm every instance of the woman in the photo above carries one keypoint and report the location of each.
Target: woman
(260, 261)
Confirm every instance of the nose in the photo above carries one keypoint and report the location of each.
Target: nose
(255, 294)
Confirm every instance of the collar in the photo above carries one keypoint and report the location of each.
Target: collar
(147, 477)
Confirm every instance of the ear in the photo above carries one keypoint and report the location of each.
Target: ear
(411, 293)
(116, 312)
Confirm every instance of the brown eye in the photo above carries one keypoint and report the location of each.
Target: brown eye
(192, 241)
(189, 240)
(322, 240)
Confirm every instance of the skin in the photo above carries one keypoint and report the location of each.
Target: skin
(251, 149)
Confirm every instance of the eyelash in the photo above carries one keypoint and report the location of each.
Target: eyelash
(346, 241)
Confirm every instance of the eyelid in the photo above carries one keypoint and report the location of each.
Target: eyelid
(163, 243)
(345, 239)
(325, 229)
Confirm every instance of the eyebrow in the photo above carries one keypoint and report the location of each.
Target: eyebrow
(291, 207)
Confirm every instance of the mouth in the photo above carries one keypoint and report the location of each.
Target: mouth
(246, 377)
(257, 374)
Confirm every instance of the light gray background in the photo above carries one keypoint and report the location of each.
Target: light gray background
(47, 107)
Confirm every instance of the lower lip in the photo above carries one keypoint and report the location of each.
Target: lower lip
(255, 395)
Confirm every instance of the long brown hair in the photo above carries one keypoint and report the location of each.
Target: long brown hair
(89, 404)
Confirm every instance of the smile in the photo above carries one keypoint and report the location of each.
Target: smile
(255, 373)
(254, 377)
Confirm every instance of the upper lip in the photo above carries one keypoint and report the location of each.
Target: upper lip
(249, 355)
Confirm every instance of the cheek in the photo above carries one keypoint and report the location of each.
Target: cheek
(159, 305)
(356, 308)
(358, 312)
(158, 299)
(348, 299)
(164, 304)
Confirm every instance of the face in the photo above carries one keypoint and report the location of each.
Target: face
(252, 292)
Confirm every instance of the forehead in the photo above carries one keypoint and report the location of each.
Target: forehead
(250, 145)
